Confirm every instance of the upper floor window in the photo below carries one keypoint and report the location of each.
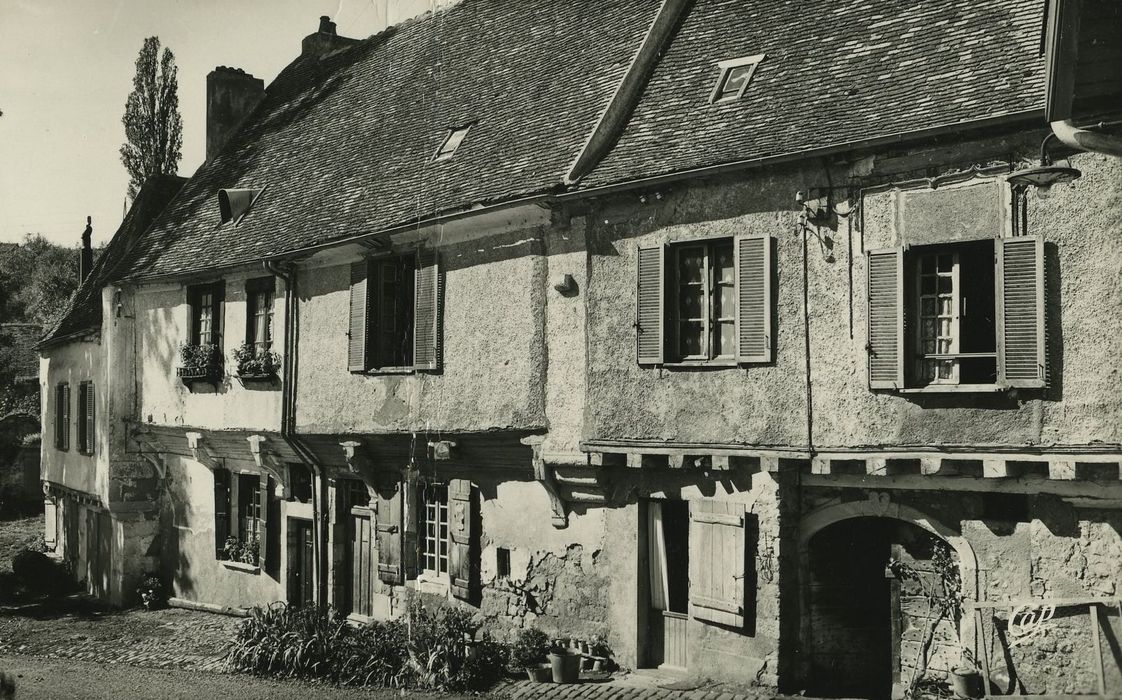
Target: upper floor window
(394, 313)
(733, 78)
(205, 302)
(705, 302)
(86, 429)
(957, 317)
(62, 416)
(259, 314)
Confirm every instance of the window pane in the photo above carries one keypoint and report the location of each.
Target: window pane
(723, 262)
(927, 264)
(689, 337)
(690, 303)
(945, 285)
(927, 285)
(928, 307)
(945, 306)
(726, 302)
(736, 79)
(725, 338)
(689, 265)
(946, 263)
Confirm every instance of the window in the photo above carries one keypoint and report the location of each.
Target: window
(451, 142)
(62, 416)
(965, 316)
(259, 314)
(247, 519)
(205, 301)
(394, 313)
(733, 78)
(434, 529)
(249, 508)
(86, 430)
(705, 302)
(301, 478)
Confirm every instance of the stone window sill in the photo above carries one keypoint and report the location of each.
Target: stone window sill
(241, 566)
(953, 389)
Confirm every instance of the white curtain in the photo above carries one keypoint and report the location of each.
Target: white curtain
(656, 545)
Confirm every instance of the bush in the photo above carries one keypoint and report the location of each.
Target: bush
(35, 570)
(427, 649)
(151, 592)
(529, 649)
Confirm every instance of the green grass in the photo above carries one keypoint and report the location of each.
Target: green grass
(17, 534)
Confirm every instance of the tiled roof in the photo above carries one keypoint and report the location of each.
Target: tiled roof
(21, 339)
(344, 144)
(84, 311)
(836, 71)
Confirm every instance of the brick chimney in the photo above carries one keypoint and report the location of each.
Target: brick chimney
(325, 40)
(231, 94)
(85, 263)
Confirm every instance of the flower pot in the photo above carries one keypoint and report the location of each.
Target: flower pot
(966, 683)
(542, 673)
(566, 666)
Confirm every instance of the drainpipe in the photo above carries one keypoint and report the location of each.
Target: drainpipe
(1085, 140)
(288, 424)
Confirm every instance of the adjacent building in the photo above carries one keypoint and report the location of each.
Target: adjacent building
(695, 327)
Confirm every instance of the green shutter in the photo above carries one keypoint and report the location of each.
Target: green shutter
(717, 562)
(1021, 356)
(461, 518)
(389, 524)
(426, 313)
(356, 330)
(886, 319)
(753, 290)
(650, 309)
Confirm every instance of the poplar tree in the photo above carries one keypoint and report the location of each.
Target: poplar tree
(153, 127)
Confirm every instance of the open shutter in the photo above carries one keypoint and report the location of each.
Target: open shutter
(461, 518)
(650, 311)
(426, 313)
(1021, 358)
(272, 527)
(886, 319)
(389, 525)
(217, 322)
(717, 553)
(88, 447)
(221, 508)
(356, 329)
(753, 290)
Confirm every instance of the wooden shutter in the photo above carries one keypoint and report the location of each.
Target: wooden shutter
(221, 507)
(61, 411)
(717, 553)
(426, 313)
(216, 320)
(272, 526)
(461, 525)
(362, 549)
(356, 330)
(650, 307)
(389, 524)
(88, 445)
(65, 403)
(753, 290)
(1021, 355)
(886, 319)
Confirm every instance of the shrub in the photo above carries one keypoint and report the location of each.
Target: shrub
(151, 592)
(35, 570)
(253, 362)
(529, 649)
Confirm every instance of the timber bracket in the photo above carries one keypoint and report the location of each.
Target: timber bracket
(268, 461)
(150, 452)
(543, 474)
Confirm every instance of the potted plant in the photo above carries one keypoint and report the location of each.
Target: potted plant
(151, 592)
(966, 681)
(528, 653)
(199, 363)
(256, 364)
(601, 653)
(564, 662)
(241, 552)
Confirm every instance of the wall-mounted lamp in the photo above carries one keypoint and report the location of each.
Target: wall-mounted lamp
(1045, 175)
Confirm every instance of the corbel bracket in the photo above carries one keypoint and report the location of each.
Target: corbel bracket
(269, 462)
(358, 462)
(543, 473)
(201, 452)
(150, 452)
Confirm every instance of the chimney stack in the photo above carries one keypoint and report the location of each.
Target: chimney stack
(85, 263)
(231, 94)
(325, 40)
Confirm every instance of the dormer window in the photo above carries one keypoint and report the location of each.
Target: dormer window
(733, 78)
(451, 143)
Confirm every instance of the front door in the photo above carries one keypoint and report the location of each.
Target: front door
(668, 532)
(301, 562)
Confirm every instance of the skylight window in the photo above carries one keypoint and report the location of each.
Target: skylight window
(735, 74)
(451, 143)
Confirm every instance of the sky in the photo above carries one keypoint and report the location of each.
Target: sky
(66, 69)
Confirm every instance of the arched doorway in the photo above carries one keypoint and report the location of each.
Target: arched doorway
(862, 627)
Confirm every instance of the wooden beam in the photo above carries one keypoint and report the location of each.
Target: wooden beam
(929, 466)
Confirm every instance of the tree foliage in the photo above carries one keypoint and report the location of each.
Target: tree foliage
(37, 279)
(153, 127)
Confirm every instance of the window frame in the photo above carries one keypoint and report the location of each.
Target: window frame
(405, 299)
(62, 416)
(255, 288)
(196, 295)
(710, 286)
(232, 518)
(719, 94)
(441, 509)
(443, 151)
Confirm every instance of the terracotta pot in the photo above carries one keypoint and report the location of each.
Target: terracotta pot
(542, 673)
(566, 666)
(966, 683)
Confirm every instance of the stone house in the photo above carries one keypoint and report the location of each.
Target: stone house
(692, 327)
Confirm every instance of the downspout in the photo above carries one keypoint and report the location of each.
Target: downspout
(288, 424)
(1085, 140)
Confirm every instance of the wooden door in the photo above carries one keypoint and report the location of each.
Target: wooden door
(301, 563)
(91, 552)
(360, 561)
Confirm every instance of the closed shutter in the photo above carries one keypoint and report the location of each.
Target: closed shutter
(717, 557)
(272, 526)
(886, 319)
(650, 311)
(362, 549)
(356, 330)
(65, 417)
(88, 446)
(753, 289)
(221, 508)
(61, 410)
(388, 523)
(426, 313)
(461, 524)
(1021, 356)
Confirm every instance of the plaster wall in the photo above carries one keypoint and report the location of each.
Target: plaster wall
(74, 363)
(765, 404)
(493, 373)
(163, 326)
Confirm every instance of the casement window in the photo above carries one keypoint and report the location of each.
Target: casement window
(260, 295)
(705, 302)
(205, 302)
(444, 534)
(86, 429)
(247, 509)
(965, 316)
(395, 314)
(62, 416)
(719, 563)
